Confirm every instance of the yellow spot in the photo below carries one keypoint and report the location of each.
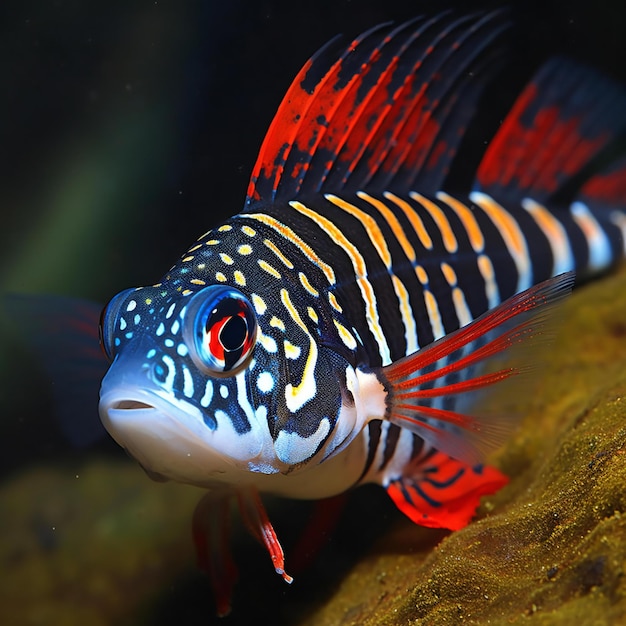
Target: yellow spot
(268, 343)
(259, 304)
(276, 323)
(195, 248)
(307, 285)
(226, 259)
(240, 279)
(285, 261)
(333, 302)
(201, 266)
(220, 277)
(246, 230)
(292, 352)
(449, 240)
(148, 301)
(225, 228)
(449, 273)
(422, 276)
(212, 242)
(468, 220)
(296, 396)
(187, 292)
(244, 249)
(288, 234)
(197, 281)
(157, 284)
(266, 267)
(345, 335)
(312, 314)
(187, 259)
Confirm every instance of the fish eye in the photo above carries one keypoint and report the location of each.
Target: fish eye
(108, 322)
(220, 330)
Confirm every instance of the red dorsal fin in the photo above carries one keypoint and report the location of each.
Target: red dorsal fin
(562, 122)
(386, 111)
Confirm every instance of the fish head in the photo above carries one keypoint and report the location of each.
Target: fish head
(212, 380)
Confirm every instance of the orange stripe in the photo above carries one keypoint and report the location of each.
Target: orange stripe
(393, 222)
(360, 271)
(511, 234)
(468, 220)
(449, 240)
(371, 226)
(414, 219)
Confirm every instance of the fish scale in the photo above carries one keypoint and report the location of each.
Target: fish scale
(350, 324)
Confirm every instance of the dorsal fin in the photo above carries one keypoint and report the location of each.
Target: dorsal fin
(555, 136)
(386, 111)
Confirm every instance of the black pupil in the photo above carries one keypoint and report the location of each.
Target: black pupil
(234, 333)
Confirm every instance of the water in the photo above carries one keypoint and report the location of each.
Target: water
(129, 129)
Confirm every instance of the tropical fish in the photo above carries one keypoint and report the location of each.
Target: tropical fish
(348, 326)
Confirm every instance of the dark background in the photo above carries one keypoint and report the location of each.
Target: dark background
(128, 128)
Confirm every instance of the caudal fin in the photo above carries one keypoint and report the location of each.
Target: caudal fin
(561, 140)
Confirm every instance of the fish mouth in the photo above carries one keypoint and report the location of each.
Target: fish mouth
(130, 405)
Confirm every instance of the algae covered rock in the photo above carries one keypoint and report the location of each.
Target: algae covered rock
(551, 546)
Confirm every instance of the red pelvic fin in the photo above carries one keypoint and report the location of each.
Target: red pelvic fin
(558, 128)
(442, 492)
(388, 110)
(441, 392)
(256, 520)
(211, 535)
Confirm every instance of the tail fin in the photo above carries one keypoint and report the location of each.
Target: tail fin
(558, 140)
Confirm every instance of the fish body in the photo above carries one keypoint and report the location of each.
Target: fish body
(343, 328)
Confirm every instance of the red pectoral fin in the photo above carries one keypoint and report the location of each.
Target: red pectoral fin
(443, 492)
(443, 392)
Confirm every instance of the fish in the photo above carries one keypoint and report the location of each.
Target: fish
(354, 321)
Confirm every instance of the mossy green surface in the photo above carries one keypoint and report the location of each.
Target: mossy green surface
(550, 548)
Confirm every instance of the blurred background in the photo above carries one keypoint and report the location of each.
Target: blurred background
(129, 127)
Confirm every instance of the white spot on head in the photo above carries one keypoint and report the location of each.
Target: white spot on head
(208, 394)
(137, 319)
(182, 349)
(131, 306)
(122, 323)
(170, 311)
(224, 391)
(265, 382)
(187, 382)
(175, 327)
(160, 330)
